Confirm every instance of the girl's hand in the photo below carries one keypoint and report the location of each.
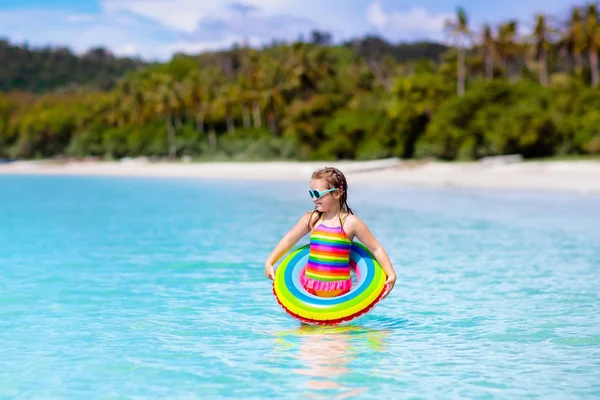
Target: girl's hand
(269, 271)
(389, 284)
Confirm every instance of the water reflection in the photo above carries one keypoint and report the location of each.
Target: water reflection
(324, 356)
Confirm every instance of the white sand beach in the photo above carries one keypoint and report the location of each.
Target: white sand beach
(576, 176)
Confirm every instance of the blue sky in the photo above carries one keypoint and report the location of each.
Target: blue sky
(155, 29)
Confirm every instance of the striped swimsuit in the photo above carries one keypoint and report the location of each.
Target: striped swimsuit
(327, 273)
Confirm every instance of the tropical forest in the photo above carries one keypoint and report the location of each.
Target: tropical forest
(528, 88)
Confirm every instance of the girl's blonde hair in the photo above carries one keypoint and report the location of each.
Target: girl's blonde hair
(336, 180)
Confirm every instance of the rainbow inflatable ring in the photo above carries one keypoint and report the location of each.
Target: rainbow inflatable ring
(311, 309)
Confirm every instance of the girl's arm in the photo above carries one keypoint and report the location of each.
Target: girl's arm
(362, 233)
(286, 243)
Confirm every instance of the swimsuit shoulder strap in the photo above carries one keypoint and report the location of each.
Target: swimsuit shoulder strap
(343, 216)
(317, 223)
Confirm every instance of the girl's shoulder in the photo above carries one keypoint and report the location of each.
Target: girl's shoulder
(351, 218)
(351, 221)
(311, 217)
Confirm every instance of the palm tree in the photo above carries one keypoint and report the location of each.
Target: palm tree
(460, 30)
(541, 46)
(508, 47)
(490, 50)
(272, 96)
(131, 102)
(210, 111)
(274, 105)
(114, 113)
(227, 99)
(166, 101)
(574, 38)
(245, 100)
(193, 98)
(302, 73)
(593, 41)
(250, 86)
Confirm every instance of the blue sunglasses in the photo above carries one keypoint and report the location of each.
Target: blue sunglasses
(315, 194)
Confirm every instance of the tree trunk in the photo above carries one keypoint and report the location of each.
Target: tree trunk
(544, 68)
(212, 138)
(177, 121)
(461, 70)
(257, 116)
(512, 76)
(594, 67)
(272, 124)
(200, 122)
(565, 61)
(230, 124)
(578, 63)
(171, 136)
(489, 67)
(504, 66)
(246, 117)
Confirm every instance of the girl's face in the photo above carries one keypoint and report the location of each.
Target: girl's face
(326, 201)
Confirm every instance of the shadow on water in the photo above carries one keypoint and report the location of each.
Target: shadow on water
(326, 357)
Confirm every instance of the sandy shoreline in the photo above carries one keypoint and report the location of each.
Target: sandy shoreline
(575, 176)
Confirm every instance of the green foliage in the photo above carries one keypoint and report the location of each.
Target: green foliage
(87, 142)
(345, 131)
(578, 108)
(363, 100)
(253, 145)
(496, 118)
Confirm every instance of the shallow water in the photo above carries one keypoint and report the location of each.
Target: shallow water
(149, 288)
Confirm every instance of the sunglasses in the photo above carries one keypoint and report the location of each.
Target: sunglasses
(315, 194)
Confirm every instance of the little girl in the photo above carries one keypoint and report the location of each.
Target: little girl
(333, 227)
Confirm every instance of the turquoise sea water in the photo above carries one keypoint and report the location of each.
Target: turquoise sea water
(121, 288)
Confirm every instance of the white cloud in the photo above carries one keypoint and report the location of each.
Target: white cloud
(127, 50)
(126, 34)
(155, 29)
(48, 28)
(186, 15)
(164, 51)
(180, 15)
(376, 16)
(416, 20)
(77, 18)
(194, 26)
(191, 47)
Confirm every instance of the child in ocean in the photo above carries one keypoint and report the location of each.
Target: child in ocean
(333, 226)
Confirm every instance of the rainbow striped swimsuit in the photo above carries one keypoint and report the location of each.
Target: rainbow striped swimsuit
(328, 267)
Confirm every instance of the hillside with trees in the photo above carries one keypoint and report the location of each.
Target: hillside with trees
(40, 70)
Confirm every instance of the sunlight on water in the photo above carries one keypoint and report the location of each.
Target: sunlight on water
(149, 288)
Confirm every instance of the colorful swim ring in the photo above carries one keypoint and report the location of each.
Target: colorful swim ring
(311, 309)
